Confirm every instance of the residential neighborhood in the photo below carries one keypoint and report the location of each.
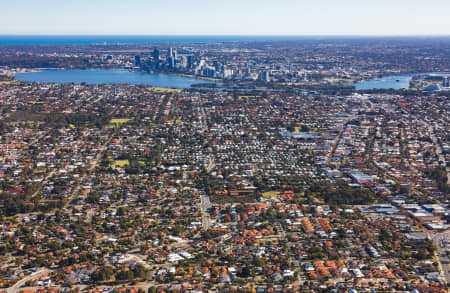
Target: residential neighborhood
(132, 189)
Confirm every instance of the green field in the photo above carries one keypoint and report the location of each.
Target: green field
(8, 82)
(249, 97)
(163, 89)
(120, 163)
(270, 194)
(119, 121)
(200, 77)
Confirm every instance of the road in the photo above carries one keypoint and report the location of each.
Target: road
(43, 182)
(438, 148)
(16, 287)
(205, 205)
(338, 139)
(281, 230)
(211, 164)
(89, 215)
(91, 167)
(440, 240)
(38, 138)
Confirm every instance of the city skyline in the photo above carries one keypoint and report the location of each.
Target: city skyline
(286, 17)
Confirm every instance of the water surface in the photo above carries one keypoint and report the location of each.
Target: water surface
(24, 40)
(386, 82)
(400, 81)
(108, 77)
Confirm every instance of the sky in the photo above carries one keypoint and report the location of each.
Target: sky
(225, 17)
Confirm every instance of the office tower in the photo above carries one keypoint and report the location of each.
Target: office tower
(155, 56)
(190, 61)
(264, 76)
(184, 61)
(137, 60)
(445, 81)
(171, 58)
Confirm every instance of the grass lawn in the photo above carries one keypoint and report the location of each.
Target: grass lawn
(120, 163)
(163, 89)
(249, 97)
(201, 77)
(8, 82)
(270, 194)
(119, 121)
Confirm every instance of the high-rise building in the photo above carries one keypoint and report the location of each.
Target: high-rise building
(184, 61)
(265, 76)
(171, 58)
(190, 61)
(446, 81)
(227, 73)
(155, 56)
(137, 60)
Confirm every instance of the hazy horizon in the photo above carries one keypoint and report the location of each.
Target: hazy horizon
(231, 18)
(230, 35)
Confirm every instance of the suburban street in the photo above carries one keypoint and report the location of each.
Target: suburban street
(135, 162)
(17, 286)
(438, 148)
(440, 240)
(205, 204)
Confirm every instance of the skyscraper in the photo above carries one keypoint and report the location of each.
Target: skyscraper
(190, 60)
(155, 56)
(137, 60)
(446, 81)
(171, 58)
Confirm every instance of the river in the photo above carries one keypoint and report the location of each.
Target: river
(173, 81)
(108, 77)
(400, 81)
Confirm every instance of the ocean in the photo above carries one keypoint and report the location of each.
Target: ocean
(26, 40)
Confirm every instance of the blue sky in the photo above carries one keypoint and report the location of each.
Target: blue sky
(226, 17)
